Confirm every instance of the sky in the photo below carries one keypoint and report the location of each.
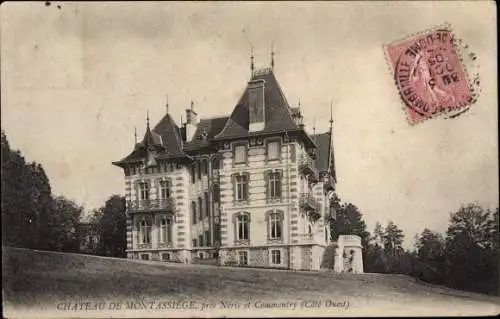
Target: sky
(78, 77)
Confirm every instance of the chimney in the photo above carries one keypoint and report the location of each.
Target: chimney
(256, 105)
(191, 122)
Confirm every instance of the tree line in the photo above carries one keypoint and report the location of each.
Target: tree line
(32, 217)
(465, 257)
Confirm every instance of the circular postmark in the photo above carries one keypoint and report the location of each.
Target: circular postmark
(429, 75)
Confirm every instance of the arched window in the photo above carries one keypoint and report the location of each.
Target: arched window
(193, 212)
(193, 173)
(215, 163)
(275, 225)
(243, 227)
(198, 166)
(241, 186)
(144, 231)
(273, 185)
(309, 230)
(205, 167)
(165, 230)
(207, 205)
(200, 207)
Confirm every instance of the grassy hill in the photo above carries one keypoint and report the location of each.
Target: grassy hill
(40, 280)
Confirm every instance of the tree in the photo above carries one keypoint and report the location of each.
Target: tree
(31, 217)
(471, 241)
(392, 239)
(26, 199)
(394, 253)
(429, 257)
(64, 222)
(112, 227)
(42, 203)
(349, 221)
(430, 245)
(378, 234)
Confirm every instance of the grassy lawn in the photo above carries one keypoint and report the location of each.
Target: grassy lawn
(34, 280)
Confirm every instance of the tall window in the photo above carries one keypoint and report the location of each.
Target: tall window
(274, 185)
(199, 169)
(215, 163)
(200, 208)
(165, 230)
(241, 186)
(144, 190)
(243, 258)
(273, 150)
(240, 154)
(144, 232)
(216, 233)
(242, 227)
(205, 166)
(193, 212)
(276, 257)
(207, 237)
(193, 173)
(200, 240)
(275, 226)
(207, 205)
(164, 189)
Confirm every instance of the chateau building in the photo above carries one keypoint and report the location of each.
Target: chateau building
(249, 189)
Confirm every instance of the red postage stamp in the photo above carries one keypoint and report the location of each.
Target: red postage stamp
(429, 75)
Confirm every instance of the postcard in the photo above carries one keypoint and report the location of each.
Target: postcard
(249, 159)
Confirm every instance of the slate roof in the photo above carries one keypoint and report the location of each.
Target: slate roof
(170, 136)
(165, 138)
(323, 148)
(278, 116)
(206, 130)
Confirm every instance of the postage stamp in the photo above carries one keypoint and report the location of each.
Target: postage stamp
(429, 74)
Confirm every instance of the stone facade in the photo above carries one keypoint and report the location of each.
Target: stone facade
(211, 191)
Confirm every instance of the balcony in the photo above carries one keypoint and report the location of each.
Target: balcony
(306, 166)
(147, 205)
(310, 205)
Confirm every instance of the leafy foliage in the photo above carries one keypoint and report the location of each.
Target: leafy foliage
(112, 227)
(31, 217)
(472, 249)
